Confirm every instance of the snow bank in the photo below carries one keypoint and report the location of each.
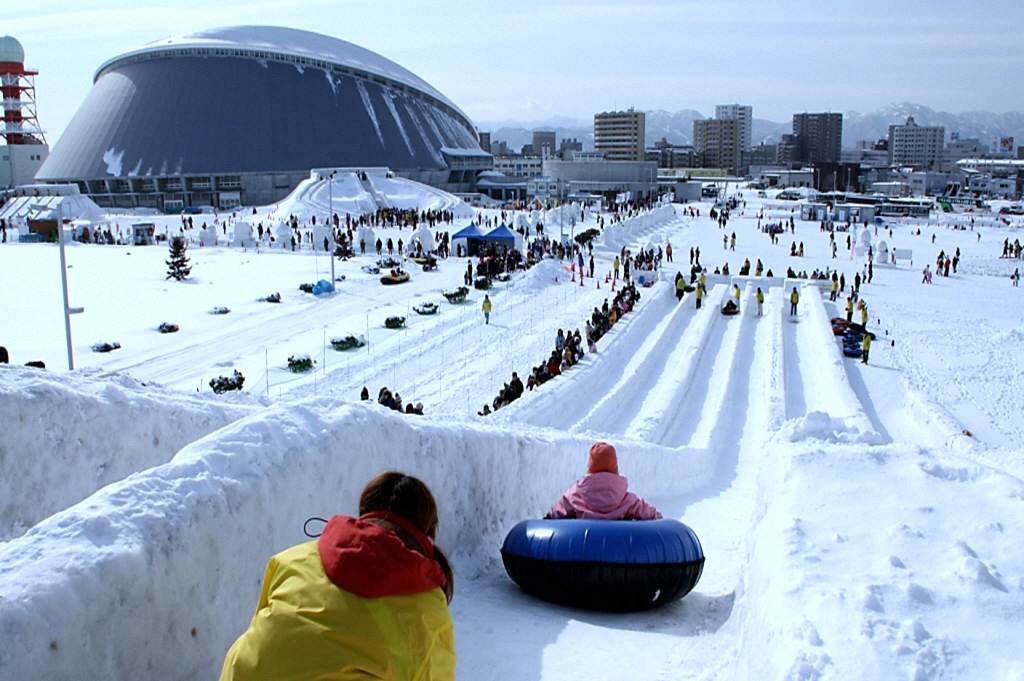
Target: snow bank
(63, 436)
(632, 230)
(153, 577)
(856, 572)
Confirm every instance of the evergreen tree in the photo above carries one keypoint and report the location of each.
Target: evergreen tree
(178, 267)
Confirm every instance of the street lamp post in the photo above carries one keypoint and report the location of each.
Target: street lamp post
(68, 311)
(330, 218)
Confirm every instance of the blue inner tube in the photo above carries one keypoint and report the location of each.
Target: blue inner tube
(612, 565)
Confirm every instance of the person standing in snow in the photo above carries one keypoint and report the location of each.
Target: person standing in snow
(1015, 277)
(680, 286)
(835, 288)
(867, 347)
(699, 295)
(760, 301)
(849, 309)
(668, 251)
(736, 296)
(863, 313)
(602, 494)
(615, 268)
(794, 299)
(370, 594)
(486, 307)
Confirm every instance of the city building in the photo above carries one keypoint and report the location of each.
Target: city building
(24, 147)
(544, 143)
(819, 137)
(240, 115)
(716, 144)
(619, 135)
(668, 155)
(917, 146)
(569, 147)
(958, 149)
(485, 141)
(606, 178)
(519, 166)
(867, 153)
(743, 113)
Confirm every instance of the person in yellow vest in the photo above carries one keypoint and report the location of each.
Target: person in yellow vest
(736, 296)
(680, 286)
(864, 314)
(367, 600)
(615, 268)
(849, 309)
(486, 307)
(794, 298)
(867, 348)
(704, 283)
(835, 289)
(760, 301)
(699, 295)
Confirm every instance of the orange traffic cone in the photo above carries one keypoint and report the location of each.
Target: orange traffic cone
(598, 284)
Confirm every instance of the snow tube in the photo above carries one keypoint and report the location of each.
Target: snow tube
(853, 351)
(394, 278)
(323, 287)
(730, 309)
(611, 565)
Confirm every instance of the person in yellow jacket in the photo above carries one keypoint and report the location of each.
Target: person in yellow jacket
(849, 309)
(736, 296)
(867, 347)
(704, 283)
(699, 295)
(760, 301)
(794, 298)
(486, 307)
(615, 268)
(367, 600)
(864, 314)
(835, 289)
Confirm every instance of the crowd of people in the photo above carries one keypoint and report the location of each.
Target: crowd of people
(568, 349)
(393, 401)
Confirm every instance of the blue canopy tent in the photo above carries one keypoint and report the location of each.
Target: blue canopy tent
(500, 238)
(470, 238)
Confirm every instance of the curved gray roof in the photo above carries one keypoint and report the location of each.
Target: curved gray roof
(169, 114)
(275, 41)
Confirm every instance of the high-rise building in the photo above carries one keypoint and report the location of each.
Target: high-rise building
(544, 143)
(569, 147)
(744, 113)
(918, 146)
(819, 137)
(485, 141)
(619, 135)
(716, 144)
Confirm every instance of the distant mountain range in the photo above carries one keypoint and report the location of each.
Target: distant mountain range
(677, 127)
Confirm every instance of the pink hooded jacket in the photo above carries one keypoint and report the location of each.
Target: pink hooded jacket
(602, 496)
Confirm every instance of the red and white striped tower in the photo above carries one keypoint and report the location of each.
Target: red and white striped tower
(20, 125)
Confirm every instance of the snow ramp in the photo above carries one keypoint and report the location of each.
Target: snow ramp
(153, 577)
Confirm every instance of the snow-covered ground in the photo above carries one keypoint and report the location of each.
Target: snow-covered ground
(858, 520)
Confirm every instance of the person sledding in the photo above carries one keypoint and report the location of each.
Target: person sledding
(602, 494)
(367, 600)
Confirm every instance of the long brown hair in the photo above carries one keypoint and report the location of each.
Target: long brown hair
(403, 495)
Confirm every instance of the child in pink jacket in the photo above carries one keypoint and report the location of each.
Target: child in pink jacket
(602, 494)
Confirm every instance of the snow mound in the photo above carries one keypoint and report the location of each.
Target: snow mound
(819, 425)
(64, 436)
(346, 193)
(164, 568)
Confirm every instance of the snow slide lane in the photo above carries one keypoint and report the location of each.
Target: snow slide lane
(154, 576)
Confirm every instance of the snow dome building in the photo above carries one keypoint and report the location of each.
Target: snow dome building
(241, 115)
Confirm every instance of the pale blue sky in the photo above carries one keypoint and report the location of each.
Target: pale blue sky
(531, 60)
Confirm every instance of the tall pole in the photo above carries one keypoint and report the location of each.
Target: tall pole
(330, 218)
(64, 281)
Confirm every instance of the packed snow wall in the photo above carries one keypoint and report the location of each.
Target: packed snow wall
(153, 577)
(64, 436)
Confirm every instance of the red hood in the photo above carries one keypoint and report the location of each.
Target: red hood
(370, 561)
